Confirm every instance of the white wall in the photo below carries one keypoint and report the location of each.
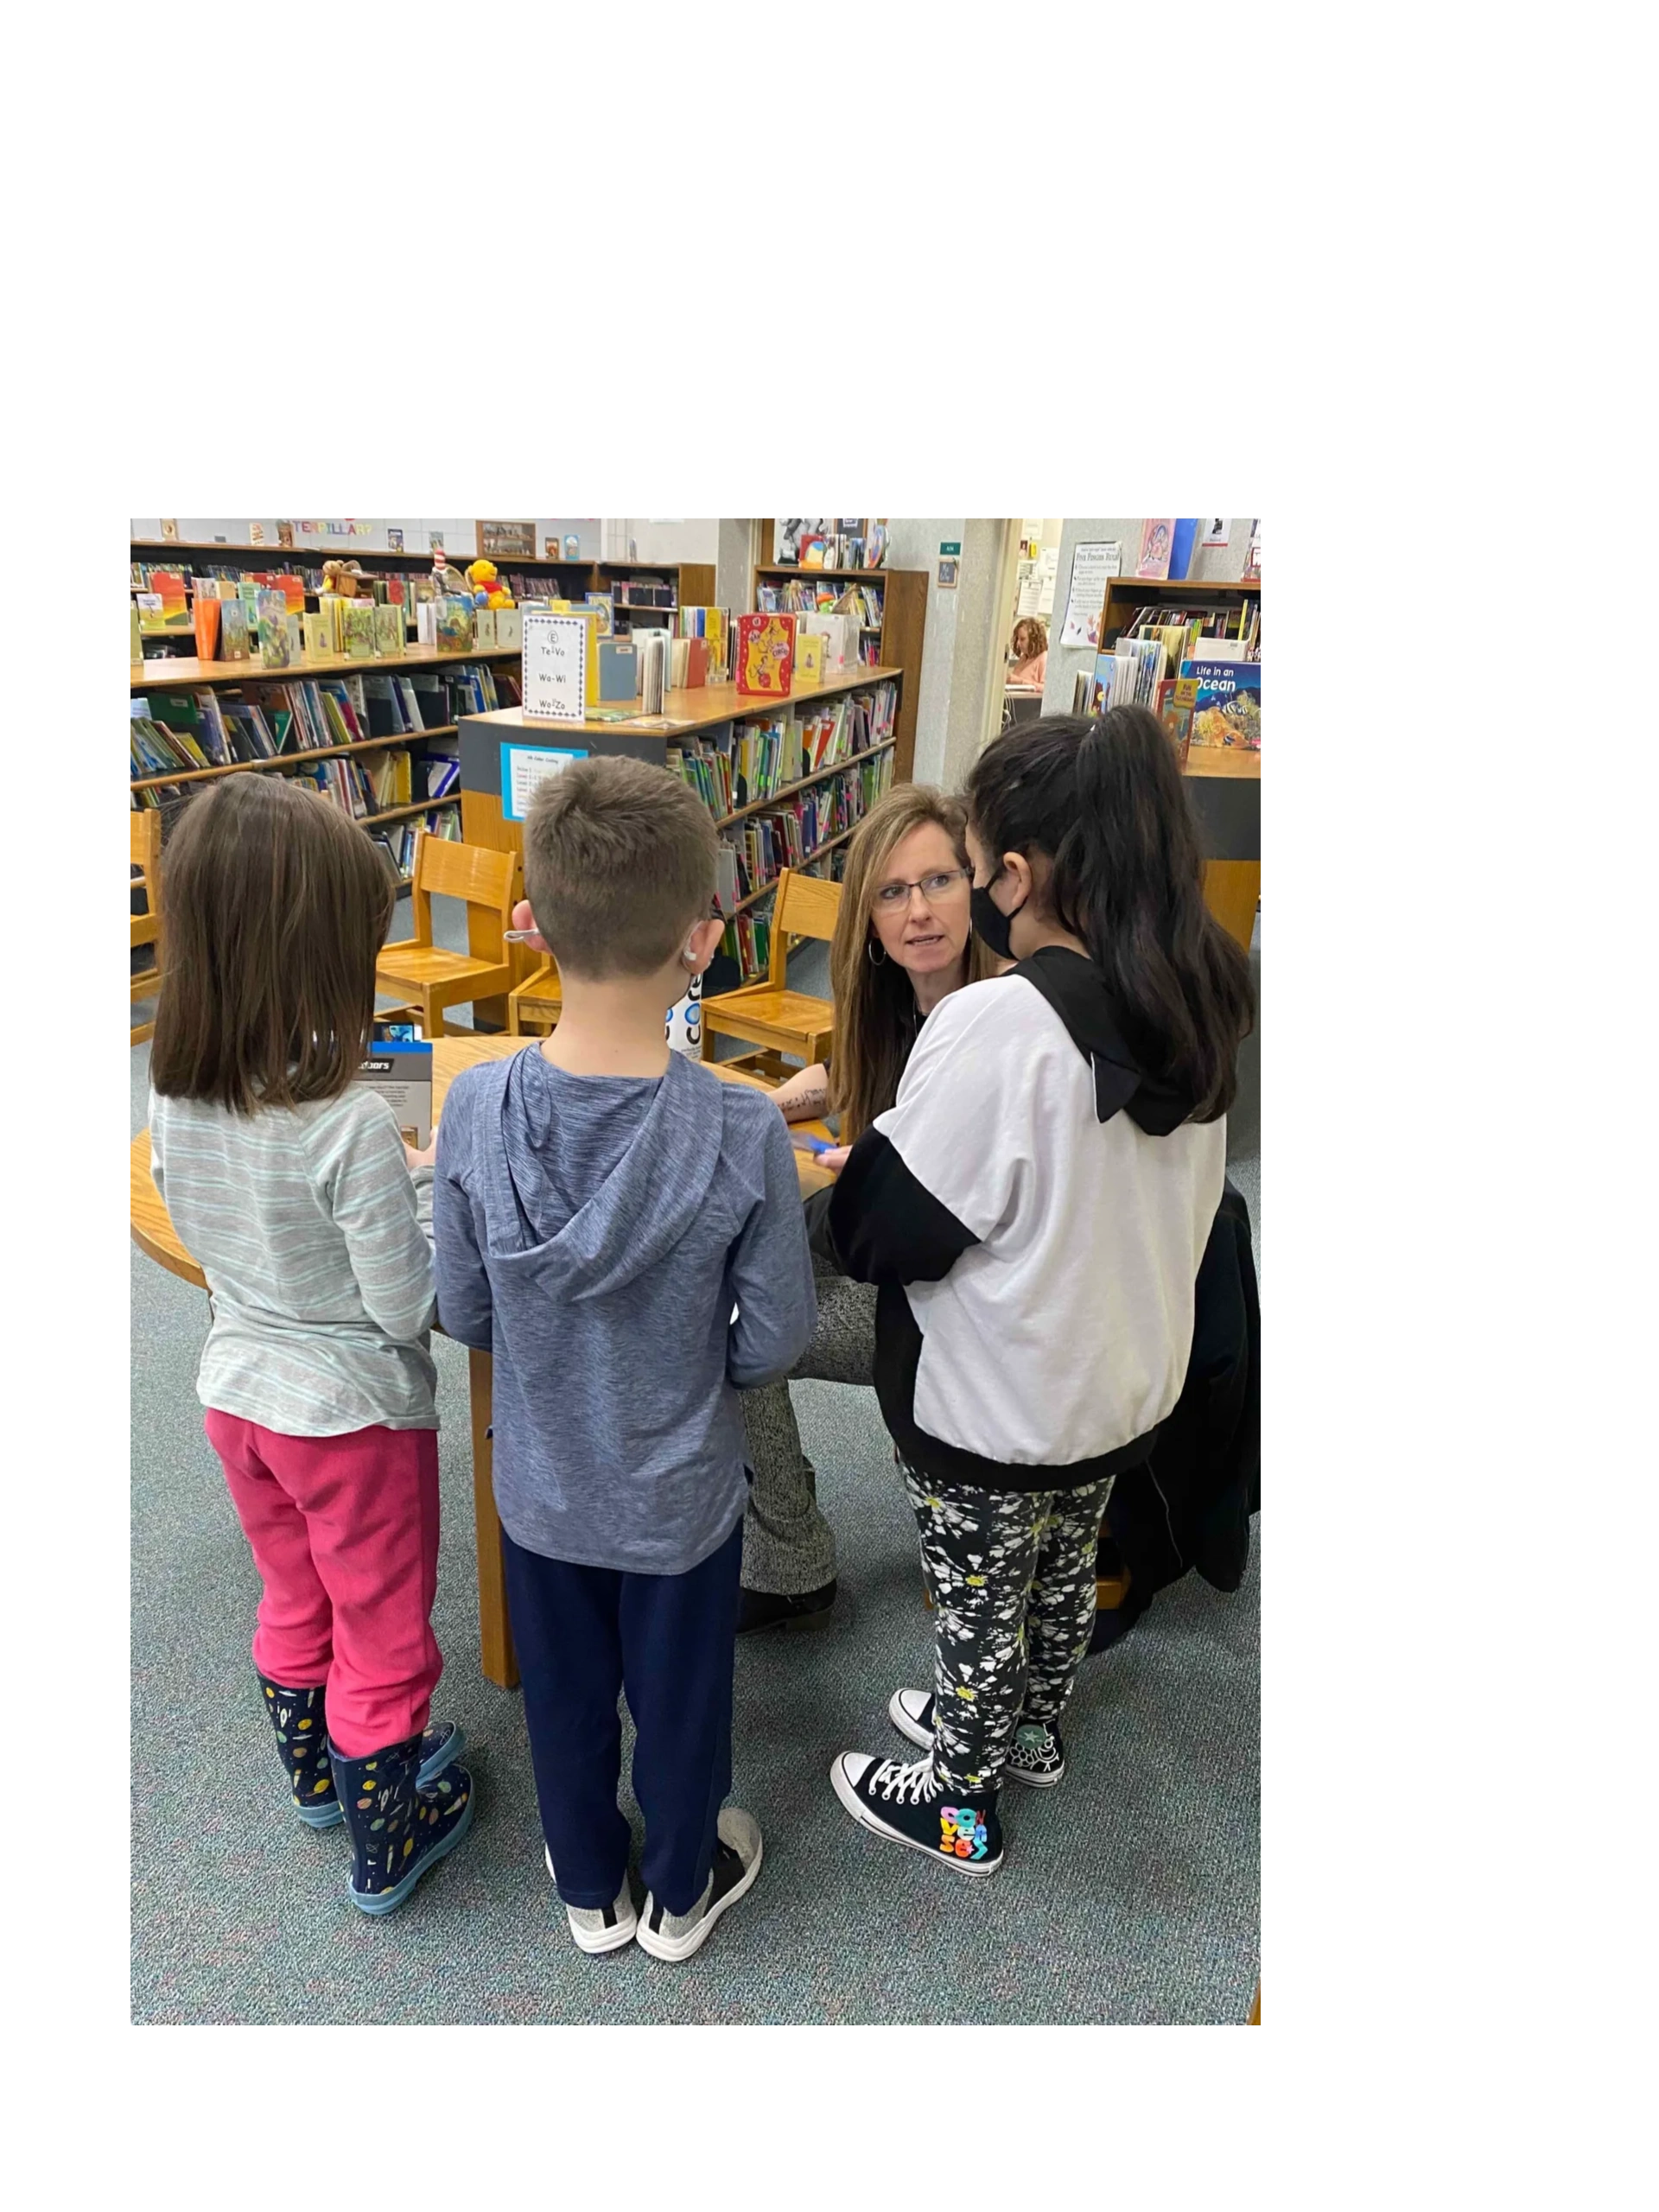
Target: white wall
(459, 535)
(962, 645)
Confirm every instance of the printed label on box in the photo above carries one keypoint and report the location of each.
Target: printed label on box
(402, 1075)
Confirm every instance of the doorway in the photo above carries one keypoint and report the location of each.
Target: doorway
(1026, 592)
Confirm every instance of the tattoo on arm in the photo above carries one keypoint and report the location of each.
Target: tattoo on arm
(805, 1095)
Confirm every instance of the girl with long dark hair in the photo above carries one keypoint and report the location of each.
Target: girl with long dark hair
(1034, 1210)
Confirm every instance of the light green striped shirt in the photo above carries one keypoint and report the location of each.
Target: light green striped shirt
(304, 1220)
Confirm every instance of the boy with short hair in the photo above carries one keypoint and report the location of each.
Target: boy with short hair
(600, 1207)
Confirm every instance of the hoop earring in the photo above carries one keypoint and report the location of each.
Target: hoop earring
(871, 948)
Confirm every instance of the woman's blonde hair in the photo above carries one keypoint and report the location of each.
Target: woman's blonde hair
(875, 1005)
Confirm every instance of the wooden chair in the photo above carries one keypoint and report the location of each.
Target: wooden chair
(769, 1016)
(432, 978)
(537, 997)
(147, 927)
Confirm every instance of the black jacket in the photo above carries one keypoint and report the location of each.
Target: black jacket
(1189, 1504)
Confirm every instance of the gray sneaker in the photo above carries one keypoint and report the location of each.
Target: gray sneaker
(1036, 1756)
(737, 1861)
(608, 1927)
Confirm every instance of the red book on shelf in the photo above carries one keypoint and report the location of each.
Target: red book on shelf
(766, 655)
(697, 663)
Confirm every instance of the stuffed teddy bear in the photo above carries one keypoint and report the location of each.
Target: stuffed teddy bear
(487, 587)
(346, 580)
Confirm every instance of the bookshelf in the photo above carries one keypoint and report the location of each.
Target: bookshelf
(691, 581)
(707, 707)
(1224, 786)
(899, 636)
(229, 678)
(149, 676)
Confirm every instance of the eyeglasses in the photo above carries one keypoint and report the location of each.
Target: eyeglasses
(940, 886)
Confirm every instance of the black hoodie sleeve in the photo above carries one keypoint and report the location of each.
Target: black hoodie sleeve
(886, 1227)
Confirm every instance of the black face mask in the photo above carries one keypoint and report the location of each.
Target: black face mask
(992, 925)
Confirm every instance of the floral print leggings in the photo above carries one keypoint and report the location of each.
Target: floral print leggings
(1012, 1577)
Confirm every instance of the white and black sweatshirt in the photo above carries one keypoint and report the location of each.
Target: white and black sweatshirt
(1034, 1209)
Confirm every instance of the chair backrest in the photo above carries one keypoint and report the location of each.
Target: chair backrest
(806, 906)
(476, 873)
(146, 838)
(541, 986)
(147, 857)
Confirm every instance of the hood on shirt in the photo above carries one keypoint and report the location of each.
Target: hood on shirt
(1076, 990)
(637, 1214)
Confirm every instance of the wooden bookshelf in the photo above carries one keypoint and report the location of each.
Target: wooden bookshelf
(900, 636)
(1125, 594)
(828, 845)
(686, 713)
(693, 581)
(818, 775)
(796, 568)
(295, 759)
(148, 675)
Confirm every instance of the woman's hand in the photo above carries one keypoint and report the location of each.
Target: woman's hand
(426, 1159)
(834, 1161)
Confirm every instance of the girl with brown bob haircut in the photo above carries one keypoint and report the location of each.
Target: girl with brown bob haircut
(292, 1188)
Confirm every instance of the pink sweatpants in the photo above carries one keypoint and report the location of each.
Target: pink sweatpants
(345, 1535)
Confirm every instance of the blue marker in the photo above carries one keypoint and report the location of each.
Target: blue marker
(804, 1143)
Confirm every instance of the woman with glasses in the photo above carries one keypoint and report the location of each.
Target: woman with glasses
(903, 943)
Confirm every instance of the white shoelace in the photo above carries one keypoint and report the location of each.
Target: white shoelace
(910, 1785)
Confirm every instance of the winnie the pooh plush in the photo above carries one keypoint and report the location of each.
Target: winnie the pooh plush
(487, 589)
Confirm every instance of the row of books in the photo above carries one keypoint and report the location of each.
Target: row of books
(736, 764)
(1130, 674)
(203, 729)
(396, 839)
(748, 934)
(713, 626)
(643, 591)
(790, 834)
(1185, 630)
(808, 596)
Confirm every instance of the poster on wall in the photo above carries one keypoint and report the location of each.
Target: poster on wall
(506, 541)
(1157, 543)
(788, 536)
(1091, 568)
(1217, 530)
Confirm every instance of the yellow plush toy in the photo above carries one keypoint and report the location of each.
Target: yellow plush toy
(487, 589)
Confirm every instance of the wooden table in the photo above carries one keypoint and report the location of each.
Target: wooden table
(154, 1233)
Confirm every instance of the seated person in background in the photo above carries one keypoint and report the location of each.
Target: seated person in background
(624, 1231)
(1030, 648)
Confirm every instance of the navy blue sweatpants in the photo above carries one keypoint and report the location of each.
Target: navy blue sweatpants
(585, 1633)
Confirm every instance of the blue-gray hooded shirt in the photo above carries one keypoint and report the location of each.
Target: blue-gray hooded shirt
(633, 1252)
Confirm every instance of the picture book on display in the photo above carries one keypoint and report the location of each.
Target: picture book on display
(1226, 703)
(765, 654)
